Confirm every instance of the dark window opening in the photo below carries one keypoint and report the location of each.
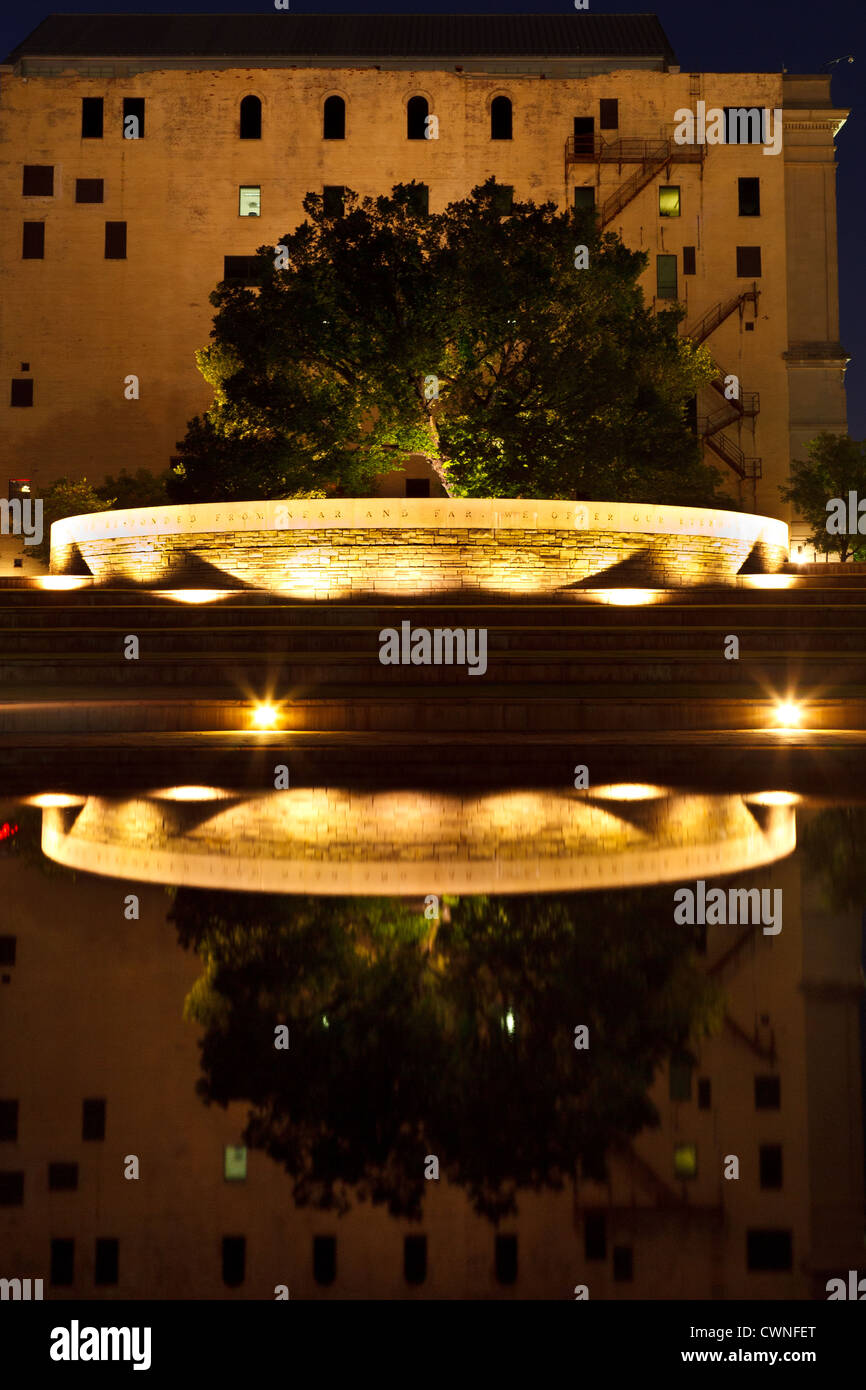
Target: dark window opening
(247, 270)
(63, 1177)
(133, 107)
(334, 119)
(8, 1121)
(623, 1264)
(324, 1259)
(8, 943)
(106, 1261)
(500, 118)
(749, 327)
(666, 277)
(749, 195)
(744, 125)
(705, 1092)
(11, 1189)
(584, 199)
(115, 241)
(419, 199)
(33, 243)
(689, 261)
(768, 1092)
(770, 1159)
(62, 1262)
(506, 1259)
(680, 1078)
(417, 111)
(608, 113)
(415, 1259)
(595, 1236)
(251, 119)
(234, 1260)
(769, 1250)
(91, 118)
(22, 394)
(38, 181)
(89, 190)
(417, 487)
(584, 137)
(93, 1119)
(749, 262)
(332, 199)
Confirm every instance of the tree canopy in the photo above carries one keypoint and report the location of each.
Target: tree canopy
(836, 465)
(511, 347)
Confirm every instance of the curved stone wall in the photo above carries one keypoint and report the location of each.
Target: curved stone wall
(352, 547)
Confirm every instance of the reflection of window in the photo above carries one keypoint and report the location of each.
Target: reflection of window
(770, 1156)
(9, 1121)
(623, 1263)
(93, 1119)
(669, 200)
(250, 201)
(324, 1259)
(415, 1259)
(62, 1262)
(234, 1164)
(680, 1078)
(594, 1236)
(106, 1260)
(768, 1092)
(234, 1260)
(11, 1189)
(769, 1250)
(666, 277)
(705, 1092)
(506, 1259)
(62, 1177)
(685, 1160)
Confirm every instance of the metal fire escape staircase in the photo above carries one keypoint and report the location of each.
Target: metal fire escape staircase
(651, 156)
(744, 406)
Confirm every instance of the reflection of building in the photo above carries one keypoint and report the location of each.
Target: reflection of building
(93, 1014)
(143, 163)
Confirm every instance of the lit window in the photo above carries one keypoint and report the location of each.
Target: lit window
(669, 200)
(234, 1164)
(250, 201)
(685, 1160)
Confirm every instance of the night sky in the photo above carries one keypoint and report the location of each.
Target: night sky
(726, 36)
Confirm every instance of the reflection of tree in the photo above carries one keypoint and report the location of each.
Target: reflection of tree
(459, 1044)
(832, 842)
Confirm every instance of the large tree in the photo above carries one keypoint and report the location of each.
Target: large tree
(488, 340)
(836, 465)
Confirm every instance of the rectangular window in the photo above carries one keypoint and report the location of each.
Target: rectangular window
(38, 181)
(768, 1092)
(769, 1250)
(503, 199)
(89, 190)
(623, 1264)
(62, 1263)
(506, 1259)
(749, 194)
(324, 1259)
(680, 1078)
(235, 1164)
(8, 943)
(8, 1121)
(234, 1260)
(115, 241)
(705, 1092)
(415, 1259)
(63, 1177)
(608, 113)
(11, 1189)
(250, 201)
(689, 260)
(584, 199)
(770, 1156)
(33, 243)
(669, 200)
(91, 118)
(133, 118)
(22, 394)
(419, 199)
(93, 1119)
(105, 1266)
(666, 277)
(685, 1161)
(595, 1236)
(749, 262)
(245, 269)
(744, 125)
(332, 199)
(584, 137)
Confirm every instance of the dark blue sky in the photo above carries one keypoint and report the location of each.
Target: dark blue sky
(726, 36)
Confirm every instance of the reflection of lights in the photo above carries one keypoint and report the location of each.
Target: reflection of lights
(63, 581)
(624, 597)
(190, 794)
(508, 1023)
(788, 714)
(325, 1023)
(768, 581)
(629, 791)
(47, 799)
(265, 716)
(7, 830)
(193, 595)
(774, 799)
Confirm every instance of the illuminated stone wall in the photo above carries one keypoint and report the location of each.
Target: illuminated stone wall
(348, 548)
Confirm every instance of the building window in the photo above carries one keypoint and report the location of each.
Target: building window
(91, 118)
(11, 1189)
(419, 199)
(689, 267)
(623, 1264)
(685, 1160)
(680, 1078)
(415, 1259)
(595, 1236)
(8, 1121)
(22, 394)
(133, 118)
(93, 1119)
(33, 244)
(503, 199)
(749, 262)
(744, 125)
(669, 200)
(115, 241)
(251, 119)
(500, 118)
(62, 1263)
(506, 1259)
(332, 199)
(608, 113)
(749, 194)
(247, 270)
(234, 1164)
(417, 487)
(8, 943)
(334, 123)
(769, 1250)
(705, 1093)
(89, 190)
(770, 1162)
(63, 1177)
(584, 199)
(768, 1092)
(324, 1259)
(417, 111)
(106, 1260)
(234, 1260)
(38, 181)
(249, 201)
(584, 137)
(666, 277)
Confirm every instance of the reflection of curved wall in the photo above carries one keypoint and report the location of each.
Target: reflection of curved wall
(348, 547)
(333, 841)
